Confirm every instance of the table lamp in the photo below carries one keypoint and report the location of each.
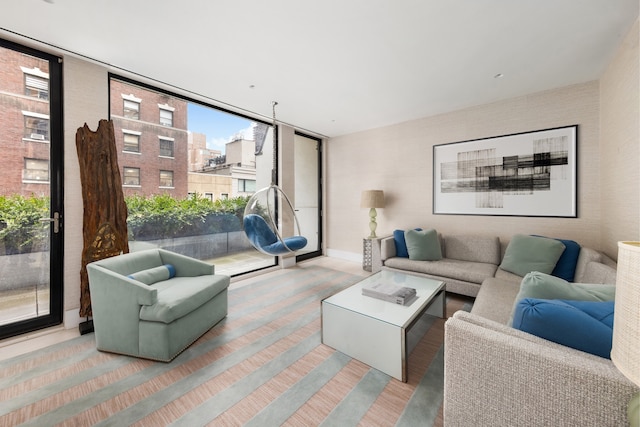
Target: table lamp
(372, 199)
(625, 351)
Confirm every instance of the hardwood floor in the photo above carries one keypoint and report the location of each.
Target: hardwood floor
(26, 343)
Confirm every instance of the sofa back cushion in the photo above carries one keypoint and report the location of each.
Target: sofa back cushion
(473, 248)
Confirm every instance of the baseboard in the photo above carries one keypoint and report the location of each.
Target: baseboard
(349, 256)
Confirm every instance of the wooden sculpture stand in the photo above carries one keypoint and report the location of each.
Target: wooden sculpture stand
(104, 224)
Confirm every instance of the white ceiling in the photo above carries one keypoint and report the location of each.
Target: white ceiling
(338, 66)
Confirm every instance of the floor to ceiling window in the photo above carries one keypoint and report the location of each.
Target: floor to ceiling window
(31, 228)
(188, 170)
(308, 200)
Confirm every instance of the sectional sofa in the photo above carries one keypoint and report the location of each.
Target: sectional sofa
(468, 260)
(495, 374)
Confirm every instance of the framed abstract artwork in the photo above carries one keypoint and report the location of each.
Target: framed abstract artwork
(524, 174)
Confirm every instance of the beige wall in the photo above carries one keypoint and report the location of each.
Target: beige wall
(398, 160)
(619, 148)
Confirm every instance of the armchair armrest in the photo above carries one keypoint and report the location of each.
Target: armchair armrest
(115, 304)
(496, 375)
(120, 288)
(186, 266)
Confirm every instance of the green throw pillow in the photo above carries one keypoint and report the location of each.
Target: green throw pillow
(423, 245)
(544, 286)
(525, 254)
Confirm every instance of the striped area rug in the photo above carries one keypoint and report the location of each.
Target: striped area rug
(264, 365)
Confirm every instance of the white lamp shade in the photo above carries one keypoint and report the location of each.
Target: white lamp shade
(372, 199)
(625, 352)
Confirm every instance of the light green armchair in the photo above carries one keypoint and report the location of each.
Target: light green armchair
(154, 303)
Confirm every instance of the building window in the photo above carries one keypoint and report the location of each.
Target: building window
(36, 170)
(166, 147)
(208, 196)
(36, 126)
(131, 141)
(166, 116)
(36, 83)
(246, 185)
(224, 196)
(166, 179)
(131, 176)
(131, 109)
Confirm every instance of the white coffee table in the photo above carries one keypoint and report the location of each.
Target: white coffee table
(380, 333)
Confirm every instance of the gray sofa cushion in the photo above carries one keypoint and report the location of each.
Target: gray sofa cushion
(473, 248)
(474, 272)
(495, 300)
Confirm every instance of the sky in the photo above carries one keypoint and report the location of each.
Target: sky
(220, 127)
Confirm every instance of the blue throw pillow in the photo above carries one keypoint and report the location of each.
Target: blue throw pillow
(401, 243)
(155, 274)
(566, 266)
(582, 325)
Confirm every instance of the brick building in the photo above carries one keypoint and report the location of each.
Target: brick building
(24, 124)
(151, 140)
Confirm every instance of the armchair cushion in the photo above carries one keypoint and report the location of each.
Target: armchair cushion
(155, 274)
(182, 295)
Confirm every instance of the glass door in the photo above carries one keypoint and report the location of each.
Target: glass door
(308, 199)
(30, 190)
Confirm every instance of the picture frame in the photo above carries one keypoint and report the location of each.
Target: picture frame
(523, 174)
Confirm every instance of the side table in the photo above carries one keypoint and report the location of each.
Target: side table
(371, 254)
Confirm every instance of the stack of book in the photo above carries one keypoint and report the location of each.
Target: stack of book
(390, 292)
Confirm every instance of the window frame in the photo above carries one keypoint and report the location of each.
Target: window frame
(41, 118)
(129, 133)
(136, 110)
(34, 179)
(167, 110)
(124, 176)
(37, 90)
(164, 171)
(166, 140)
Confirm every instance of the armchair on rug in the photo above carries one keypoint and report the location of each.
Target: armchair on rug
(154, 303)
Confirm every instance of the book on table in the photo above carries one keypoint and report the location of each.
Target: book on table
(389, 292)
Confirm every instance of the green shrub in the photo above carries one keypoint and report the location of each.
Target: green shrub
(162, 216)
(21, 230)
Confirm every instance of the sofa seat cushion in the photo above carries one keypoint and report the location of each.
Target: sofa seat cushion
(181, 295)
(495, 299)
(583, 325)
(474, 272)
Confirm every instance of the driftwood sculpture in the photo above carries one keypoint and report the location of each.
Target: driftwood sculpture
(104, 224)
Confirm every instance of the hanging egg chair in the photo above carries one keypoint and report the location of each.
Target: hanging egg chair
(269, 220)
